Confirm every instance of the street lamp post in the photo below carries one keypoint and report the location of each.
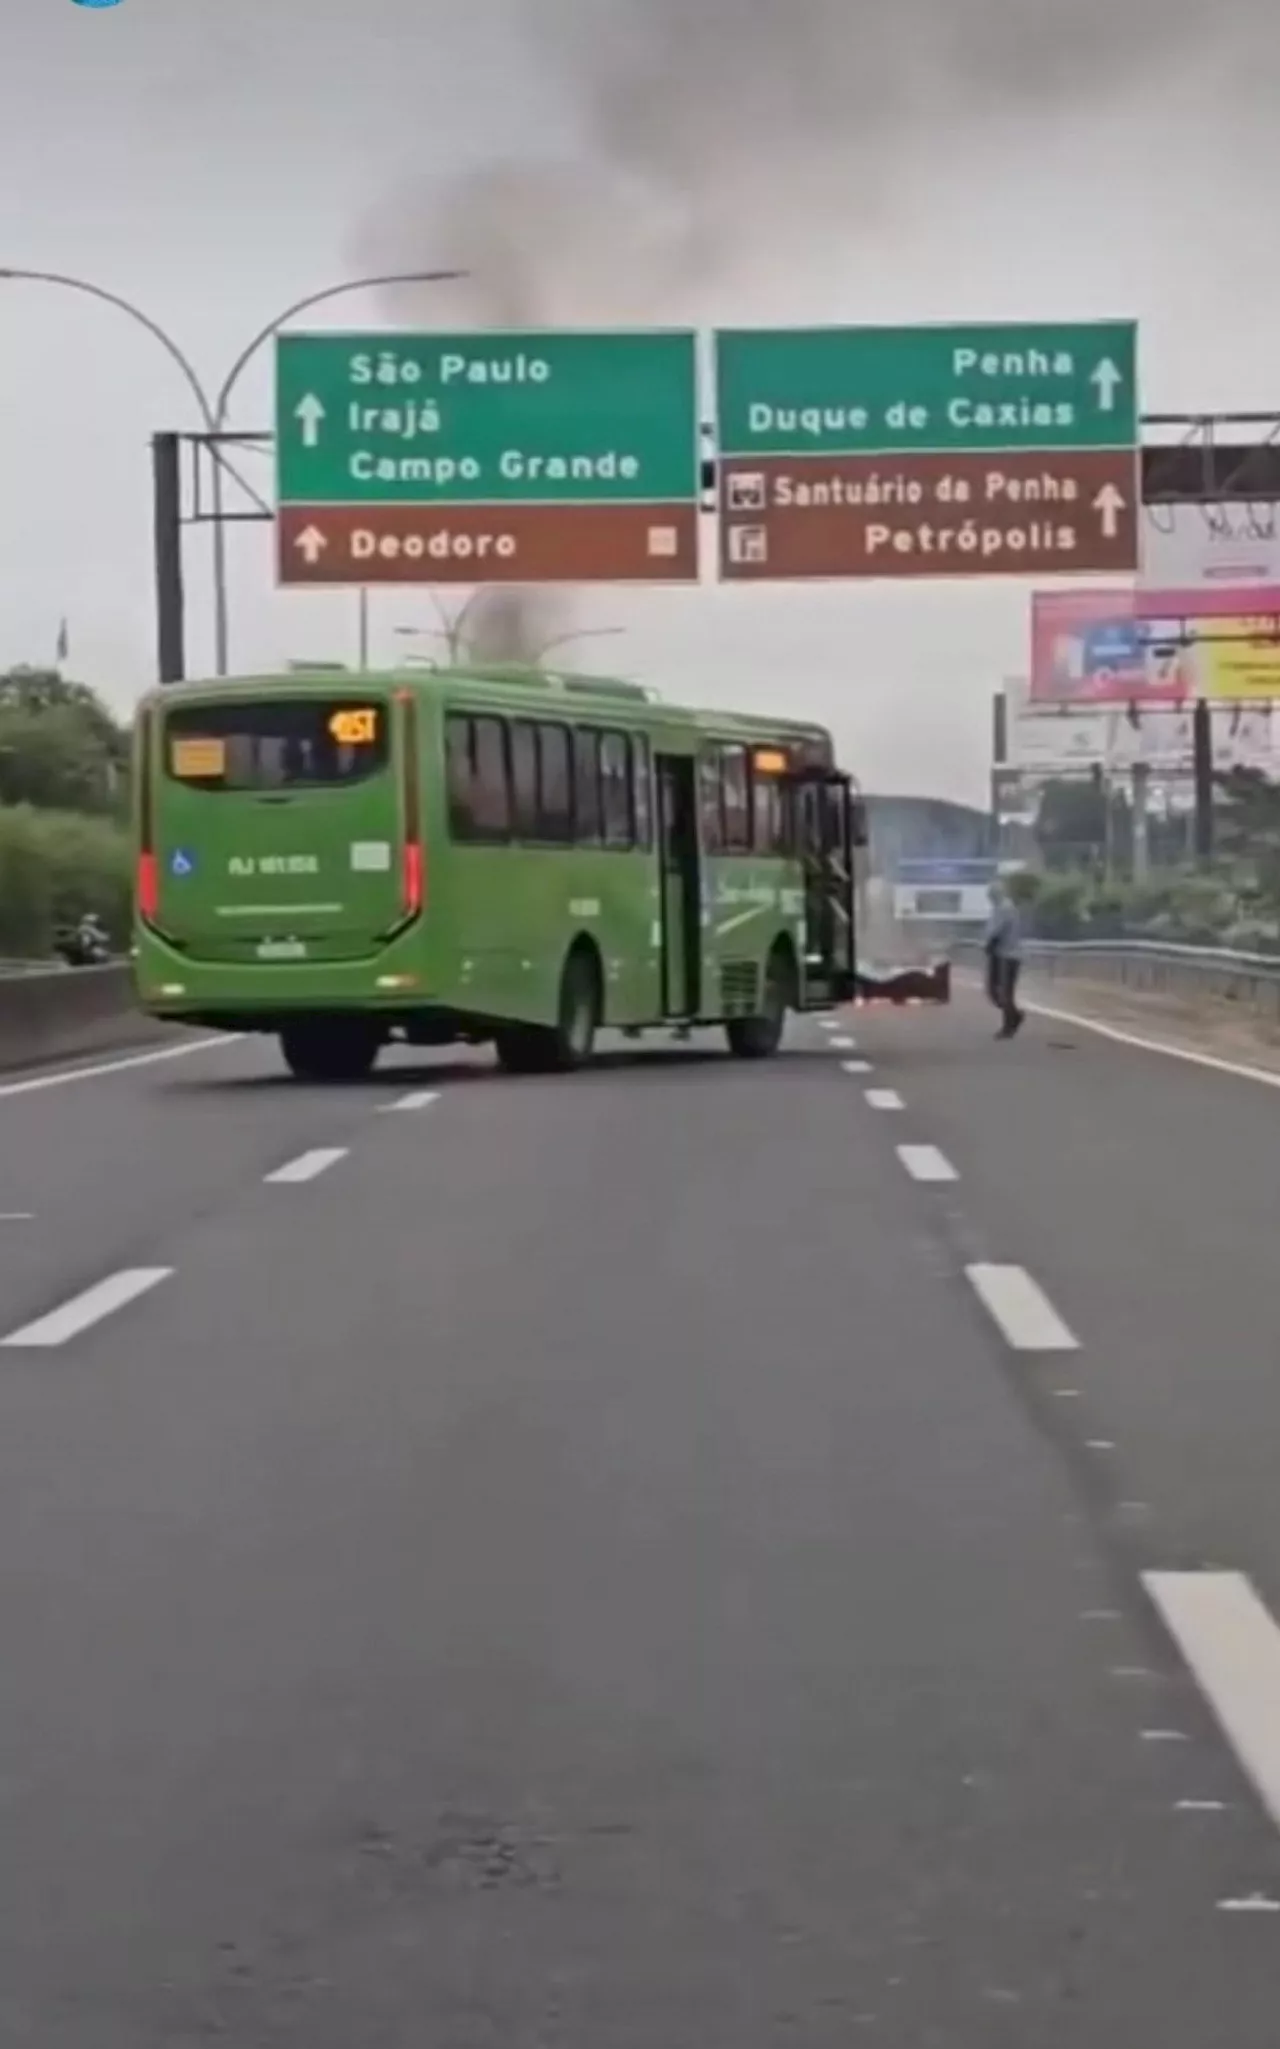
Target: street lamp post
(214, 410)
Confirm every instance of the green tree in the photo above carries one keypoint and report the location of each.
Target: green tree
(60, 747)
(1247, 827)
(1071, 826)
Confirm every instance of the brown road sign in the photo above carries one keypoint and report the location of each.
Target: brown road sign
(1071, 511)
(369, 544)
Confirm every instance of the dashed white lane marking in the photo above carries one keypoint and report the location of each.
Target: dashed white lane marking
(308, 1165)
(89, 1308)
(1199, 1806)
(926, 1163)
(1142, 1044)
(1232, 1645)
(1164, 1736)
(17, 1216)
(66, 1074)
(856, 1066)
(885, 1099)
(417, 1099)
(1024, 1313)
(1253, 1903)
(843, 1045)
(828, 1024)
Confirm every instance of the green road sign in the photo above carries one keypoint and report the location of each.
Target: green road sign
(896, 390)
(499, 419)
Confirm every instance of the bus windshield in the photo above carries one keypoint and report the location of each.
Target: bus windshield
(276, 743)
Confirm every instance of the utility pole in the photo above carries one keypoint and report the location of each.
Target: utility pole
(166, 474)
(1202, 759)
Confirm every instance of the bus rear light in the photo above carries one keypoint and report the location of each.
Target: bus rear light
(414, 878)
(148, 887)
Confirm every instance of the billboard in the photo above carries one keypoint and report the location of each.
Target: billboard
(1098, 647)
(1213, 561)
(1052, 743)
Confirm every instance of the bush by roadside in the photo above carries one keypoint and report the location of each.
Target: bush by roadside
(1185, 908)
(55, 866)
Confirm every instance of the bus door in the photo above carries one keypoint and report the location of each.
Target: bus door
(679, 885)
(828, 832)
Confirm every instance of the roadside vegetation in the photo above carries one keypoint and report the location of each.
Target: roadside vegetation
(1082, 885)
(64, 797)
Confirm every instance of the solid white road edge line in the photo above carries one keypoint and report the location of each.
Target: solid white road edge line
(926, 1163)
(417, 1099)
(89, 1308)
(1024, 1313)
(884, 1099)
(1141, 1044)
(1232, 1645)
(66, 1074)
(308, 1165)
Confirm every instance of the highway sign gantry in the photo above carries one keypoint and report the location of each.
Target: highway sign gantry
(911, 452)
(498, 457)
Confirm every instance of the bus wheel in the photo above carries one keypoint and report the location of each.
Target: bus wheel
(568, 1044)
(757, 1038)
(330, 1049)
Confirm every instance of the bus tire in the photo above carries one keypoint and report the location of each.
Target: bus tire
(758, 1038)
(569, 1043)
(330, 1049)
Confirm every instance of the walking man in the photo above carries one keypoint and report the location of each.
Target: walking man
(1004, 959)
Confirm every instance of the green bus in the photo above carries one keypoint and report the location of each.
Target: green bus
(475, 855)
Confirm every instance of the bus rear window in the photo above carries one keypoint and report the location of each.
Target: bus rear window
(290, 743)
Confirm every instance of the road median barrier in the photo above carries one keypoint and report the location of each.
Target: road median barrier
(56, 1014)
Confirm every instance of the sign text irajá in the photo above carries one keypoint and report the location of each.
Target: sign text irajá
(538, 418)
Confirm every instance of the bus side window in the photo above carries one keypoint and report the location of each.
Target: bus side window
(736, 780)
(642, 790)
(491, 793)
(586, 786)
(460, 777)
(615, 784)
(524, 779)
(769, 805)
(555, 785)
(710, 815)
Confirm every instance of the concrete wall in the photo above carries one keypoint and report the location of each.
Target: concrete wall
(67, 1013)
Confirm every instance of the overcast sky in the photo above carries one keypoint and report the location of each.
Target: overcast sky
(712, 161)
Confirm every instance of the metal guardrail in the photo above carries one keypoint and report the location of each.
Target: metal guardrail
(1214, 978)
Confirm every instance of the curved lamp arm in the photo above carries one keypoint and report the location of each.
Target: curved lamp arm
(357, 284)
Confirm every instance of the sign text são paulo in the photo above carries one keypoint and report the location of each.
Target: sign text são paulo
(529, 458)
(956, 451)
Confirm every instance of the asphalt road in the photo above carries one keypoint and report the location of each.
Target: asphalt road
(624, 1563)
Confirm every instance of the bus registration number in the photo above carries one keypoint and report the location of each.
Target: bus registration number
(282, 949)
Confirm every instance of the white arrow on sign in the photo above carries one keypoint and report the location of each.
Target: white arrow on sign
(1108, 380)
(310, 411)
(1110, 503)
(311, 544)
